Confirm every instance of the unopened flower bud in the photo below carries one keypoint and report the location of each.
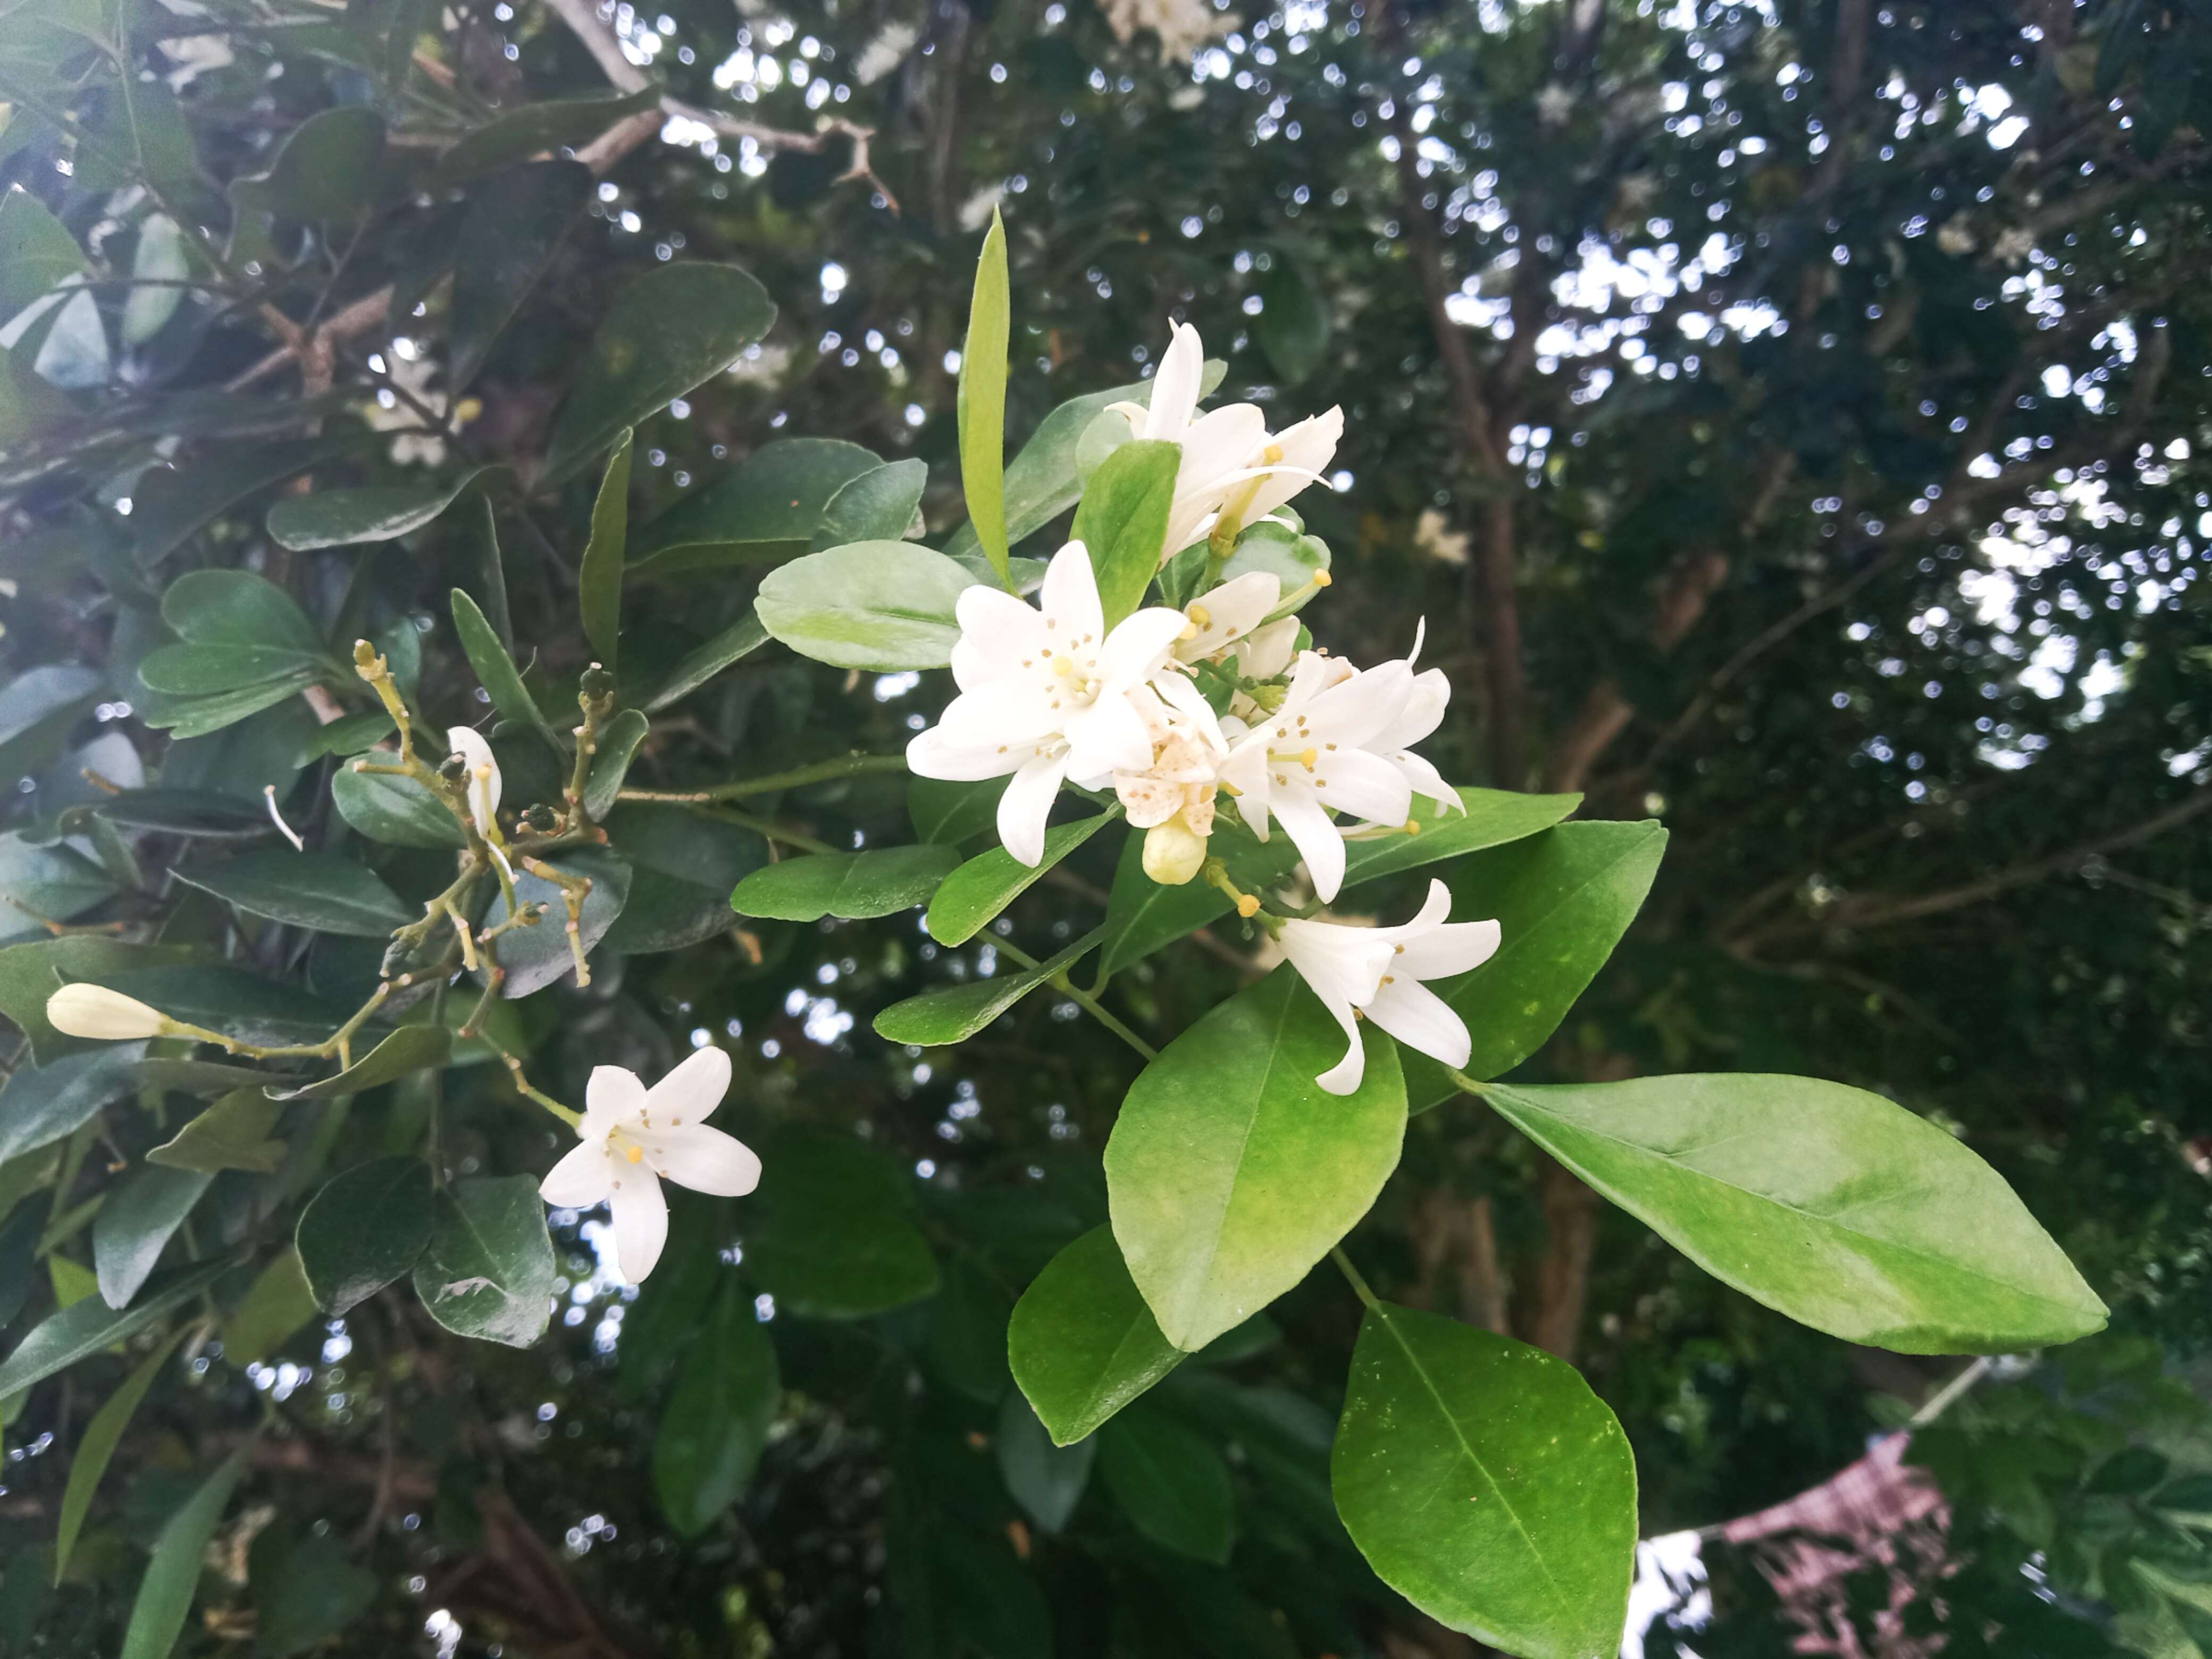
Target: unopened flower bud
(365, 662)
(598, 686)
(105, 1016)
(1173, 852)
(454, 768)
(540, 820)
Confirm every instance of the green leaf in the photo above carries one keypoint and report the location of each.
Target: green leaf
(512, 232)
(1046, 1480)
(137, 1218)
(1562, 901)
(740, 639)
(321, 890)
(232, 1003)
(966, 1339)
(41, 1104)
(232, 1134)
(982, 400)
(971, 898)
(170, 504)
(550, 123)
(96, 1449)
(617, 745)
(37, 253)
(332, 166)
(667, 330)
(599, 580)
(1828, 1204)
(946, 812)
(711, 1436)
(955, 1014)
(364, 1228)
(767, 508)
(47, 884)
(310, 1592)
(1171, 1483)
(346, 736)
(829, 1232)
(238, 608)
(1485, 1483)
(1083, 1343)
(1123, 521)
(197, 717)
(278, 1303)
(879, 505)
(495, 669)
(1230, 1171)
(879, 882)
(487, 1272)
(387, 807)
(377, 513)
(30, 973)
(410, 1049)
(37, 709)
(200, 670)
(879, 605)
(683, 865)
(535, 958)
(173, 1577)
(86, 1327)
(1293, 328)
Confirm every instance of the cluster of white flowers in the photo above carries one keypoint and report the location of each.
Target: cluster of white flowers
(1173, 710)
(1182, 26)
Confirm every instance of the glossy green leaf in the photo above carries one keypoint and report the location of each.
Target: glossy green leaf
(169, 505)
(617, 745)
(185, 718)
(365, 1228)
(767, 508)
(880, 881)
(600, 579)
(1082, 1343)
(389, 808)
(332, 166)
(410, 1049)
(1485, 1483)
(1170, 1482)
(1047, 1480)
(87, 1326)
(495, 669)
(667, 330)
(232, 1003)
(200, 670)
(488, 1270)
(514, 228)
(31, 973)
(1831, 1205)
(1562, 901)
(375, 512)
(95, 1449)
(39, 1104)
(39, 884)
(683, 865)
(972, 896)
(137, 1218)
(238, 608)
(982, 399)
(946, 813)
(321, 890)
(232, 1132)
(279, 1302)
(710, 1438)
(550, 123)
(535, 958)
(38, 709)
(879, 505)
(877, 605)
(172, 1576)
(1230, 1171)
(1293, 326)
(829, 1233)
(1123, 522)
(741, 639)
(958, 1012)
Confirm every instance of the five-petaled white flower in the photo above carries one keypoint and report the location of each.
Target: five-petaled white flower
(635, 1138)
(1378, 972)
(483, 783)
(1045, 694)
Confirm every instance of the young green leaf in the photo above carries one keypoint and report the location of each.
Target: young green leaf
(319, 891)
(487, 1269)
(1230, 1171)
(1082, 1342)
(1485, 1483)
(375, 512)
(364, 1228)
(970, 898)
(829, 1232)
(97, 1447)
(599, 580)
(876, 606)
(1831, 1205)
(982, 400)
(88, 1325)
(231, 1133)
(172, 1576)
(137, 1218)
(619, 740)
(1123, 521)
(495, 669)
(946, 813)
(958, 1012)
(879, 505)
(710, 1438)
(877, 883)
(1170, 1482)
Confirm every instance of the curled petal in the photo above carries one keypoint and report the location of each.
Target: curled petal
(1311, 830)
(1454, 948)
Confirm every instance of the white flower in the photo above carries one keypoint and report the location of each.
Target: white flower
(1423, 712)
(1184, 764)
(635, 1138)
(886, 52)
(104, 1016)
(1183, 25)
(1311, 758)
(1378, 972)
(1434, 536)
(484, 777)
(1045, 694)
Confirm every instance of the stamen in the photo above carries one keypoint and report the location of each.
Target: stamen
(268, 792)
(1062, 666)
(634, 1154)
(1198, 614)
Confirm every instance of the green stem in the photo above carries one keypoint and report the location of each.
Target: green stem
(1359, 1284)
(1467, 1085)
(769, 828)
(514, 1069)
(1060, 982)
(844, 766)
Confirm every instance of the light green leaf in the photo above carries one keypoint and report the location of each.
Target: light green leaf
(137, 1218)
(387, 807)
(1171, 1483)
(487, 1271)
(238, 608)
(740, 639)
(534, 957)
(982, 400)
(197, 717)
(364, 1228)
(1230, 1171)
(1123, 521)
(321, 890)
(954, 1015)
(495, 669)
(375, 512)
(879, 505)
(550, 123)
(346, 736)
(410, 1049)
(767, 508)
(1083, 1343)
(173, 1577)
(972, 896)
(1046, 1480)
(42, 1103)
(1485, 1483)
(97, 1447)
(1831, 1205)
(39, 884)
(1562, 901)
(512, 232)
(670, 328)
(37, 253)
(880, 881)
(202, 670)
(87, 1326)
(829, 1232)
(711, 1436)
(879, 605)
(617, 745)
(278, 1303)
(599, 580)
(232, 1134)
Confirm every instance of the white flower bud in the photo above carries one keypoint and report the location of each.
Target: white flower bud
(1173, 852)
(96, 1012)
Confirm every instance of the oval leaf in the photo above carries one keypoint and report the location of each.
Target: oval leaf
(379, 513)
(881, 606)
(488, 1270)
(972, 896)
(767, 508)
(321, 890)
(827, 1232)
(1082, 1343)
(936, 1017)
(137, 1218)
(364, 1230)
(879, 883)
(711, 1436)
(395, 810)
(1171, 1483)
(879, 505)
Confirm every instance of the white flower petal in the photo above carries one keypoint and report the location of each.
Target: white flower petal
(689, 1094)
(1027, 804)
(1176, 386)
(1219, 445)
(612, 1095)
(930, 754)
(1308, 447)
(1366, 785)
(1421, 1019)
(706, 1161)
(641, 1215)
(1070, 598)
(1345, 1077)
(584, 1176)
(1454, 948)
(484, 781)
(1139, 645)
(1266, 651)
(1319, 842)
(1108, 737)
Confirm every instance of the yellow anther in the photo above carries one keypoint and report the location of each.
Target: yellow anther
(1308, 756)
(1322, 579)
(634, 1154)
(1247, 907)
(1412, 826)
(1063, 665)
(1189, 631)
(1274, 454)
(1200, 615)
